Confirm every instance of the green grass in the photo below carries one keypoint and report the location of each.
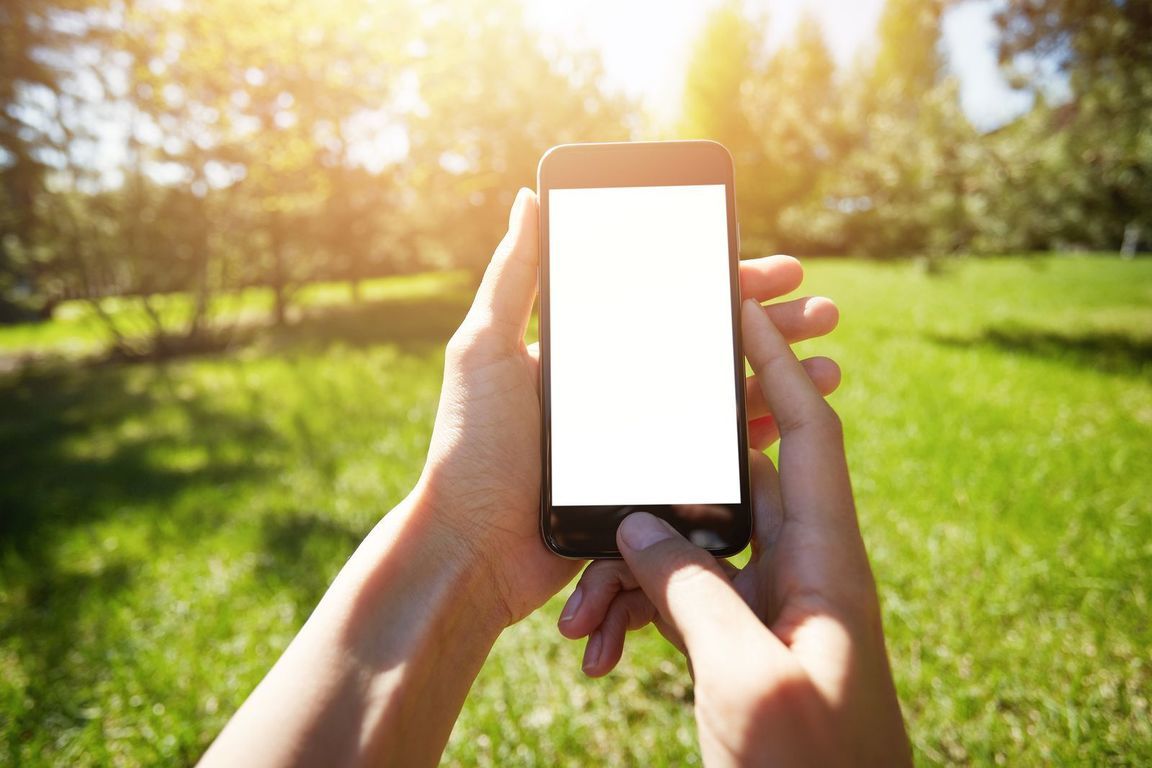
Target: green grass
(164, 530)
(77, 330)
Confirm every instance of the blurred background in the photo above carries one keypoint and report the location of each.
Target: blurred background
(235, 234)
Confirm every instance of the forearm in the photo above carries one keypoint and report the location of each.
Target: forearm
(380, 671)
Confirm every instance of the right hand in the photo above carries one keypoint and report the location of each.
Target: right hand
(788, 654)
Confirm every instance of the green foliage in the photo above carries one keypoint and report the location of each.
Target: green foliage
(877, 162)
(716, 85)
(35, 89)
(493, 101)
(348, 139)
(1099, 141)
(879, 159)
(803, 138)
(908, 62)
(278, 143)
(717, 105)
(166, 529)
(904, 181)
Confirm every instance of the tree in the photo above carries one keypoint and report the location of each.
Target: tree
(718, 104)
(38, 42)
(491, 101)
(879, 163)
(907, 62)
(332, 140)
(1022, 193)
(273, 109)
(1104, 51)
(906, 187)
(799, 119)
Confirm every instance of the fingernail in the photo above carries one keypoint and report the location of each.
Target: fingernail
(641, 530)
(573, 604)
(592, 652)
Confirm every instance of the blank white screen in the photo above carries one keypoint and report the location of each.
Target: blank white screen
(643, 397)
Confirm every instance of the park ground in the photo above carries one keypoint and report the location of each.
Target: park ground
(166, 528)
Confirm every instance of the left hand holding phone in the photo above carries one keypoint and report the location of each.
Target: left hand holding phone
(482, 476)
(483, 470)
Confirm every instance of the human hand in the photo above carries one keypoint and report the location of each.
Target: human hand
(788, 653)
(381, 669)
(482, 478)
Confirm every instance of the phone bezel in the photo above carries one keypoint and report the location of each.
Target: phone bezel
(586, 532)
(589, 532)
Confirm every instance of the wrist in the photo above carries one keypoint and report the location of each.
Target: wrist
(466, 530)
(413, 626)
(411, 557)
(380, 670)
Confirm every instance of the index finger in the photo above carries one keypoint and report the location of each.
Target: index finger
(820, 516)
(795, 402)
(769, 277)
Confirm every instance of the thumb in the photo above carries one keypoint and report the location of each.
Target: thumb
(687, 587)
(503, 303)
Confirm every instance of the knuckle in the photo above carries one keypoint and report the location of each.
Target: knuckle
(629, 612)
(459, 342)
(604, 575)
(828, 420)
(641, 612)
(468, 338)
(818, 419)
(767, 366)
(687, 569)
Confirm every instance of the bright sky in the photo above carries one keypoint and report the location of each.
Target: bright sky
(646, 44)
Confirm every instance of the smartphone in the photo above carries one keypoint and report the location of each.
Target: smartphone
(641, 370)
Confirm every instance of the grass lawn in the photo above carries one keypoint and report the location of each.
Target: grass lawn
(164, 530)
(77, 331)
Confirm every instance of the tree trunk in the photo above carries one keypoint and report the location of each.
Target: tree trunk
(202, 303)
(1131, 241)
(279, 270)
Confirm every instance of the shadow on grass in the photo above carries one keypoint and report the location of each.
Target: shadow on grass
(414, 325)
(45, 635)
(78, 445)
(46, 406)
(83, 442)
(51, 601)
(49, 408)
(69, 457)
(298, 554)
(46, 482)
(1111, 352)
